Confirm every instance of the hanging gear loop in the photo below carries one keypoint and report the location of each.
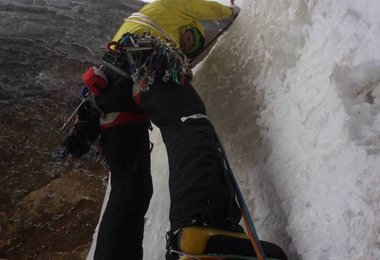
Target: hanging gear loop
(141, 58)
(146, 60)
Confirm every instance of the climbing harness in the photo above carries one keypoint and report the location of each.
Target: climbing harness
(145, 60)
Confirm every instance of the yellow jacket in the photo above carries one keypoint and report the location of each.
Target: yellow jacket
(174, 17)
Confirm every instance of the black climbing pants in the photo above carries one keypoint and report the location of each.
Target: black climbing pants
(121, 230)
(200, 191)
(127, 152)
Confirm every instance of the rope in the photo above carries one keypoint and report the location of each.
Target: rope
(145, 20)
(254, 238)
(255, 241)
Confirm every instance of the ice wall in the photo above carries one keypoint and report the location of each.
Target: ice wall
(293, 88)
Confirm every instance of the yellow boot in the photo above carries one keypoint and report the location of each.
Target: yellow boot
(205, 243)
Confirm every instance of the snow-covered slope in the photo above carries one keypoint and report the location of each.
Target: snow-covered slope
(294, 91)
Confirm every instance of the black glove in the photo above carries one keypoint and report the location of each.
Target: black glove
(85, 131)
(75, 146)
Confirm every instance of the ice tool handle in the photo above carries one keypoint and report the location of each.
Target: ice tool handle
(219, 34)
(85, 93)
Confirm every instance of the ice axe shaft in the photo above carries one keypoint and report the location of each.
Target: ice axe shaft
(213, 40)
(74, 113)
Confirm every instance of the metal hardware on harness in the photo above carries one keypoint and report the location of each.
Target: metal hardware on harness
(145, 59)
(116, 69)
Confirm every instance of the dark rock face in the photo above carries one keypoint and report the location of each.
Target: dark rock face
(48, 208)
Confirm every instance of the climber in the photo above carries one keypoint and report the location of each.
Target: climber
(145, 76)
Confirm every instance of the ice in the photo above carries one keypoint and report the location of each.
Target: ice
(358, 86)
(305, 75)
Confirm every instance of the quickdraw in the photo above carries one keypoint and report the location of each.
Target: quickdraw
(148, 59)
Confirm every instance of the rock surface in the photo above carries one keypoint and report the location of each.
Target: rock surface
(48, 208)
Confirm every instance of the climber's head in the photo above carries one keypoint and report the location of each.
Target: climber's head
(192, 42)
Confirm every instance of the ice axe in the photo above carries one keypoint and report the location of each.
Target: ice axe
(236, 12)
(85, 93)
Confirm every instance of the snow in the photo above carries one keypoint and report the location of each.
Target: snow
(293, 89)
